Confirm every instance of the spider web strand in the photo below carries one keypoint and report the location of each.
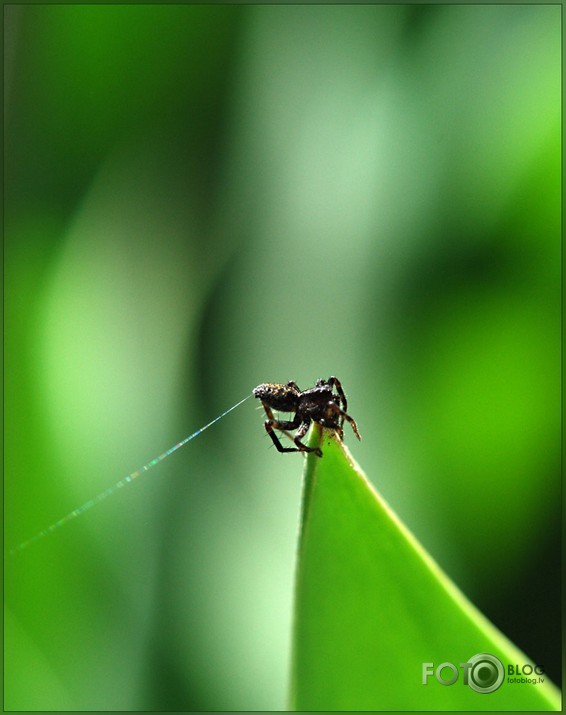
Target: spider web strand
(119, 485)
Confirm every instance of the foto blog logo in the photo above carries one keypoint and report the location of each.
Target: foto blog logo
(483, 673)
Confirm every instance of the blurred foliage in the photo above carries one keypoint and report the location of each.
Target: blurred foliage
(202, 198)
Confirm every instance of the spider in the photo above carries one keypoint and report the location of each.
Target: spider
(318, 404)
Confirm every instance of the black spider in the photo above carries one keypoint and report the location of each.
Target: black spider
(319, 404)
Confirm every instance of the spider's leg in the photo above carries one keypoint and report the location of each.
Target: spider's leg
(335, 382)
(271, 423)
(301, 432)
(284, 425)
(336, 427)
(269, 426)
(280, 424)
(350, 420)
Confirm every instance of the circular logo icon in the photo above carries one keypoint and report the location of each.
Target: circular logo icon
(486, 673)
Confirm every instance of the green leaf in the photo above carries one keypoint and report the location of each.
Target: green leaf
(372, 606)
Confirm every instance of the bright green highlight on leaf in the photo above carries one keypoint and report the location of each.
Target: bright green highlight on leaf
(372, 607)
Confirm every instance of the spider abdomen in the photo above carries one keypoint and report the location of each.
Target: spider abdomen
(283, 398)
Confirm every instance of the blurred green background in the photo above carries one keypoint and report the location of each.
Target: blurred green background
(202, 198)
